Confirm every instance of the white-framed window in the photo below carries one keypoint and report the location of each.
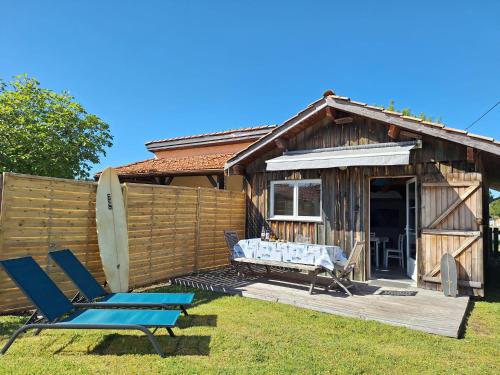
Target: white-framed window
(295, 200)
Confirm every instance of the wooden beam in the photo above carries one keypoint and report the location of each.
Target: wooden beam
(330, 112)
(466, 283)
(162, 180)
(468, 242)
(470, 154)
(212, 181)
(220, 182)
(447, 232)
(404, 133)
(460, 199)
(343, 120)
(393, 132)
(449, 184)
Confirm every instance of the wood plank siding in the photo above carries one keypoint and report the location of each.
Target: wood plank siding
(345, 194)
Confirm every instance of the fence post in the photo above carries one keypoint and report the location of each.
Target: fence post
(197, 229)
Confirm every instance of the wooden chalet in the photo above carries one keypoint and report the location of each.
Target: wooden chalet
(342, 170)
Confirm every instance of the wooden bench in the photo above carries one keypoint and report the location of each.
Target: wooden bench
(341, 279)
(311, 270)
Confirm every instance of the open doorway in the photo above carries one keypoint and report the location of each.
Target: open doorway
(393, 218)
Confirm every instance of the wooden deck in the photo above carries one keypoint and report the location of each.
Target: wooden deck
(427, 310)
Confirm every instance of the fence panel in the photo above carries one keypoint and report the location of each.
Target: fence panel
(219, 210)
(161, 224)
(40, 214)
(172, 230)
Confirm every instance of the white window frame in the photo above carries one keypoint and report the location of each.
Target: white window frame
(295, 216)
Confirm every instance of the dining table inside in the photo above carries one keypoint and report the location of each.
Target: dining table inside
(377, 241)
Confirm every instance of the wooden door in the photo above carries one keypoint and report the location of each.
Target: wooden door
(451, 223)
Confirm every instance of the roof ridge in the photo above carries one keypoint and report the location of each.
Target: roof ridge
(220, 132)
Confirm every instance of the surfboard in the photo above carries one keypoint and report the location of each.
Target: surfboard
(112, 235)
(449, 275)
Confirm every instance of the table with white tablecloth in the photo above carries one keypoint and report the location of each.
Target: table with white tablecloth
(291, 252)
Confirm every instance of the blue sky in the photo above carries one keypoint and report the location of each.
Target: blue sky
(158, 69)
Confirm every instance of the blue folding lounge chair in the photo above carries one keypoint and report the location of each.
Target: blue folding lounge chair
(96, 296)
(59, 313)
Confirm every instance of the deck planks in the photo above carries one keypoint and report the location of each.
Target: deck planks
(427, 311)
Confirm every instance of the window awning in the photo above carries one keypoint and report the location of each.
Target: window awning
(397, 153)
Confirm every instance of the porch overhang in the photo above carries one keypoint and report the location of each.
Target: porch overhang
(394, 153)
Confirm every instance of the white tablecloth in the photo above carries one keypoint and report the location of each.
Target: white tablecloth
(318, 255)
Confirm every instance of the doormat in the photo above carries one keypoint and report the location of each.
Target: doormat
(404, 293)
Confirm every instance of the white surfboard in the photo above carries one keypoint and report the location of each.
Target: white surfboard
(112, 232)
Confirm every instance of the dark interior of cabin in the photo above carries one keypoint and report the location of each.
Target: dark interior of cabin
(388, 218)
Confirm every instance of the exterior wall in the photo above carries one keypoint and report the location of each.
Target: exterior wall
(345, 212)
(191, 181)
(205, 150)
(232, 183)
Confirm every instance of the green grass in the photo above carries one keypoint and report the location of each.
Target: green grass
(235, 335)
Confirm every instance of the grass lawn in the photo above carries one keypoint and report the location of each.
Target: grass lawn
(230, 334)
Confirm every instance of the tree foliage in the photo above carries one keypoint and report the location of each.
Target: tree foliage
(47, 133)
(495, 208)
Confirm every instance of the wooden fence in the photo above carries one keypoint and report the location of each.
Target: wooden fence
(177, 230)
(172, 230)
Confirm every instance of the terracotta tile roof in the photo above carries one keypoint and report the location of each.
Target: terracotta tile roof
(229, 131)
(179, 164)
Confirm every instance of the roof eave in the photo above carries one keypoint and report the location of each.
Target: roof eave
(207, 140)
(311, 110)
(198, 172)
(416, 126)
(376, 113)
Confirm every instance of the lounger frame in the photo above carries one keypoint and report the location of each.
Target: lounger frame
(39, 322)
(82, 301)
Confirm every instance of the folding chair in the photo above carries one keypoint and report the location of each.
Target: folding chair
(341, 275)
(232, 239)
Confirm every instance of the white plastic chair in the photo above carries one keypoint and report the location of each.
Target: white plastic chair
(395, 253)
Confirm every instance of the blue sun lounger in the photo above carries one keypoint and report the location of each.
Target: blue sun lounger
(94, 295)
(59, 313)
